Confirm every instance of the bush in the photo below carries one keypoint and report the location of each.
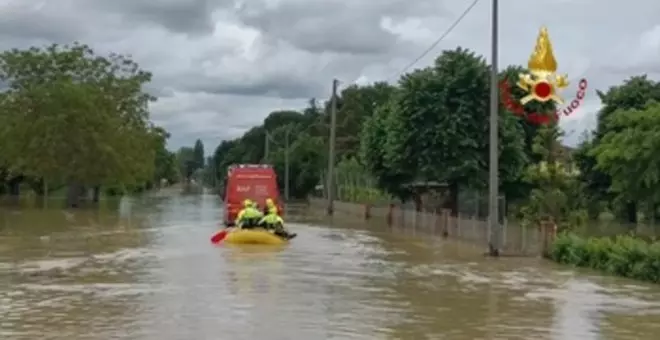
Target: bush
(361, 194)
(625, 256)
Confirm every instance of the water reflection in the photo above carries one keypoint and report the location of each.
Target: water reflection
(578, 311)
(144, 269)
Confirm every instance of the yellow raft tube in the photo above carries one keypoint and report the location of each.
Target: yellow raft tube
(253, 236)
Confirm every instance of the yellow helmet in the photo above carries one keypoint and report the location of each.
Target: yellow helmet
(247, 203)
(269, 202)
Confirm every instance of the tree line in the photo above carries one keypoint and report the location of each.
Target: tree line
(72, 118)
(191, 161)
(432, 126)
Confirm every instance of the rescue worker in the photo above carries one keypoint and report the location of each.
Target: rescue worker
(270, 207)
(273, 221)
(249, 217)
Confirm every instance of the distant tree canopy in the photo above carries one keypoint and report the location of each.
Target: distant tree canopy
(432, 126)
(198, 155)
(73, 117)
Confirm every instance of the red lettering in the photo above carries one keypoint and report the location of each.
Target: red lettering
(583, 84)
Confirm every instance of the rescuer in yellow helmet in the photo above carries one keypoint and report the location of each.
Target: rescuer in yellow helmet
(273, 221)
(249, 216)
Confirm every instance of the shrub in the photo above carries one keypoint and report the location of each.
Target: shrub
(361, 194)
(625, 256)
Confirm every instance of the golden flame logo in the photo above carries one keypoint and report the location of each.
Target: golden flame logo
(542, 82)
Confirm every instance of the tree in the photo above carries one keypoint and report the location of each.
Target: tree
(510, 76)
(358, 103)
(221, 160)
(633, 94)
(372, 153)
(513, 186)
(165, 161)
(185, 157)
(305, 161)
(277, 119)
(628, 153)
(438, 127)
(556, 194)
(250, 148)
(73, 116)
(198, 155)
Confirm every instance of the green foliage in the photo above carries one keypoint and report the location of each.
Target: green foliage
(198, 155)
(357, 104)
(304, 161)
(622, 255)
(557, 194)
(307, 138)
(185, 160)
(303, 148)
(165, 167)
(373, 152)
(435, 128)
(634, 94)
(356, 184)
(70, 115)
(630, 152)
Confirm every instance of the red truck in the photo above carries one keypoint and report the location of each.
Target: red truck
(256, 182)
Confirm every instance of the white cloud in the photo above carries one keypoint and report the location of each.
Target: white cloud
(221, 65)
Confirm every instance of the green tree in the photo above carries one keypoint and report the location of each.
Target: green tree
(629, 154)
(73, 116)
(373, 137)
(277, 119)
(510, 75)
(557, 193)
(250, 148)
(515, 188)
(358, 103)
(437, 129)
(305, 162)
(185, 158)
(198, 155)
(165, 161)
(633, 94)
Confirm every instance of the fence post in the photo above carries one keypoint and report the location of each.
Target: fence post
(390, 212)
(548, 233)
(446, 220)
(459, 220)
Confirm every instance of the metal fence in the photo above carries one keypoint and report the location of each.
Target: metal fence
(517, 239)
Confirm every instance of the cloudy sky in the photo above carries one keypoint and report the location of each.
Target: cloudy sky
(221, 66)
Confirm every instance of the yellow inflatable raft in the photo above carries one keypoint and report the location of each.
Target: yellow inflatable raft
(253, 236)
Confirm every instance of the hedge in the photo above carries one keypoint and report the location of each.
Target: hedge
(625, 256)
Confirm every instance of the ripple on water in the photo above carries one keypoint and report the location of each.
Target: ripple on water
(161, 280)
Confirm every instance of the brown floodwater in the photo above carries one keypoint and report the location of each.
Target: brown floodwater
(143, 269)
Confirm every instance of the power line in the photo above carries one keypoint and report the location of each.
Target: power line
(437, 41)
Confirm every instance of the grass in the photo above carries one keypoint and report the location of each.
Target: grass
(622, 255)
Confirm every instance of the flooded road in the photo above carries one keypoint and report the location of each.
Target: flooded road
(145, 270)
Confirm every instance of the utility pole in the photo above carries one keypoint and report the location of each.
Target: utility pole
(494, 235)
(266, 147)
(286, 164)
(331, 147)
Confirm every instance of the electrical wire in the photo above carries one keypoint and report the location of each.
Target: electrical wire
(437, 41)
